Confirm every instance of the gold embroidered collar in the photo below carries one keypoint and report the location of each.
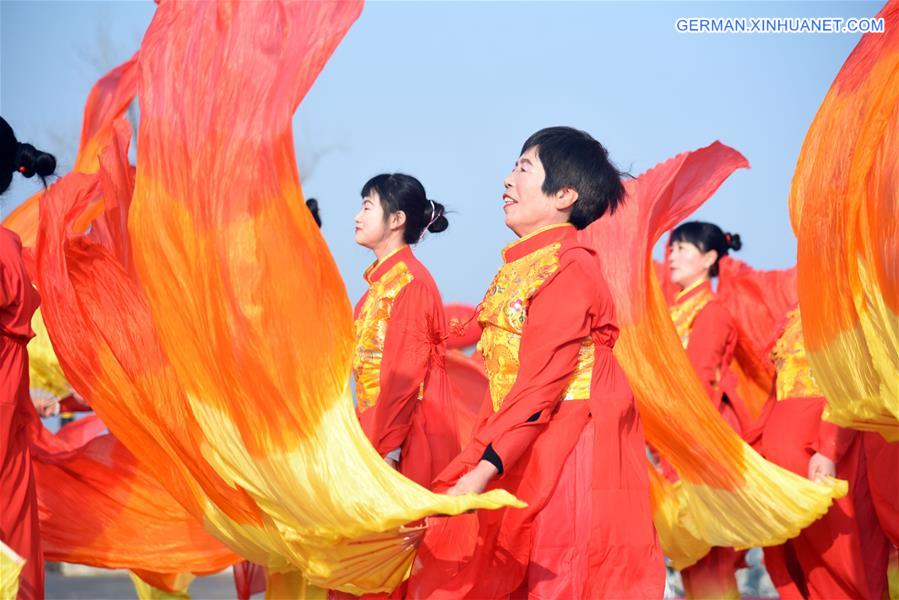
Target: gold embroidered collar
(523, 246)
(688, 291)
(381, 266)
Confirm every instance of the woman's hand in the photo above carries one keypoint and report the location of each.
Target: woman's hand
(46, 407)
(474, 481)
(819, 467)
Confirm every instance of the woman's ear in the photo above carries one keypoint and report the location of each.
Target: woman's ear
(397, 220)
(565, 198)
(709, 258)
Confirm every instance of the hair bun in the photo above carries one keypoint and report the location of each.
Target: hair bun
(438, 220)
(312, 205)
(30, 162)
(733, 241)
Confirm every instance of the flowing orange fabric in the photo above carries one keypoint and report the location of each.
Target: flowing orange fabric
(728, 495)
(98, 506)
(222, 358)
(844, 204)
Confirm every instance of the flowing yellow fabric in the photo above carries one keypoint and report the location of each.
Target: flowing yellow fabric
(46, 377)
(680, 546)
(728, 495)
(10, 566)
(222, 360)
(844, 204)
(180, 583)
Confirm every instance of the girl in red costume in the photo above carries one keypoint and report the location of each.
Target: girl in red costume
(402, 390)
(18, 300)
(709, 336)
(559, 427)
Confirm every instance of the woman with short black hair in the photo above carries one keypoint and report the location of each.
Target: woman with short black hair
(559, 427)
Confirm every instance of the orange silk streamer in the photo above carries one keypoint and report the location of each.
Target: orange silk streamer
(221, 358)
(844, 204)
(728, 495)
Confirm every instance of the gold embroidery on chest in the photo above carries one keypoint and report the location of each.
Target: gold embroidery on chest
(503, 313)
(371, 330)
(684, 314)
(794, 371)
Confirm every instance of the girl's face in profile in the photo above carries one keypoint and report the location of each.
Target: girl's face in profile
(371, 227)
(688, 263)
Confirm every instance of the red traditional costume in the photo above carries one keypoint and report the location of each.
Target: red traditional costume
(560, 423)
(844, 554)
(19, 527)
(403, 397)
(709, 335)
(883, 477)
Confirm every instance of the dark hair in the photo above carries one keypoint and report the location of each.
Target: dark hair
(312, 205)
(405, 193)
(572, 158)
(706, 237)
(24, 158)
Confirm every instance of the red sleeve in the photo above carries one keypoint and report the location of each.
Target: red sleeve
(404, 365)
(10, 274)
(72, 404)
(560, 317)
(712, 334)
(833, 440)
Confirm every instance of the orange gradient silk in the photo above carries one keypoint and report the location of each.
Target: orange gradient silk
(727, 494)
(98, 506)
(221, 360)
(844, 205)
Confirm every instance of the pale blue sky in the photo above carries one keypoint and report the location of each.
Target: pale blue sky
(448, 91)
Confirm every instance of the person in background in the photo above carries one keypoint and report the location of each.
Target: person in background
(19, 528)
(709, 335)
